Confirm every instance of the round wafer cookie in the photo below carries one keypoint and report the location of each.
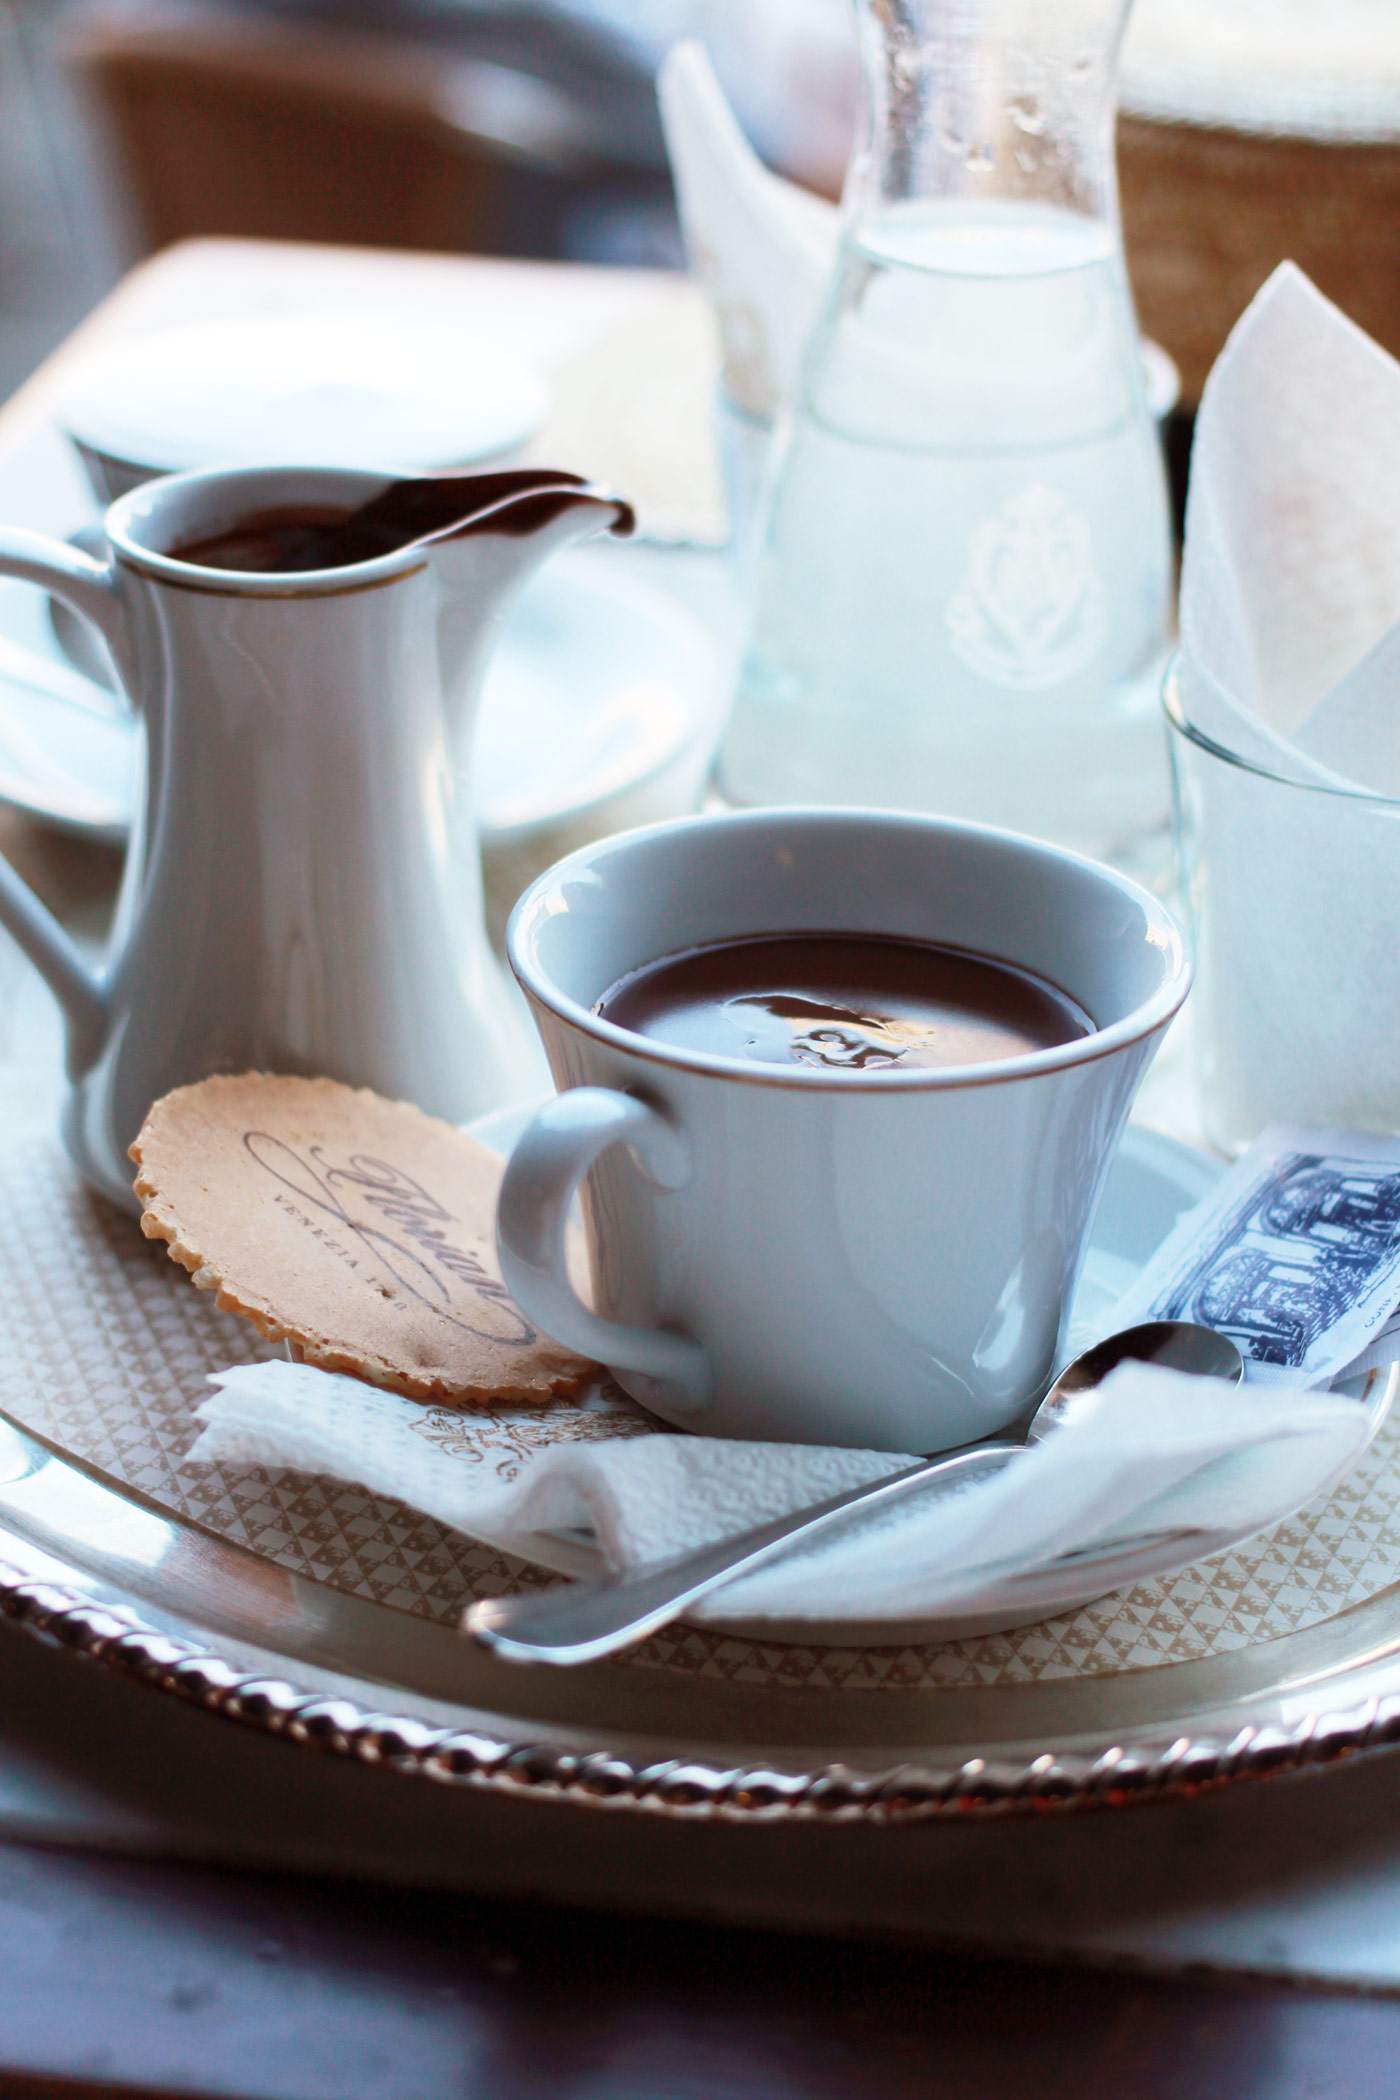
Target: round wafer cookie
(358, 1229)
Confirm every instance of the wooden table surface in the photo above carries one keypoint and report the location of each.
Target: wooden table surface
(143, 1975)
(124, 1977)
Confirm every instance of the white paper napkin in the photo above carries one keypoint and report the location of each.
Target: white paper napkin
(1290, 584)
(1354, 730)
(1153, 1450)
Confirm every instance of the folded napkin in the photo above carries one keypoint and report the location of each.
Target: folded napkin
(1296, 1249)
(1290, 581)
(1290, 628)
(762, 247)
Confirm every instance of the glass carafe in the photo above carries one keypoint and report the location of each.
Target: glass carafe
(961, 586)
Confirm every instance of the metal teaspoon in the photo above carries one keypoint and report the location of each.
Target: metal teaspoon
(579, 1622)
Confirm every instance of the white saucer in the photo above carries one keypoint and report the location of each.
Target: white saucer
(599, 685)
(70, 761)
(1152, 1181)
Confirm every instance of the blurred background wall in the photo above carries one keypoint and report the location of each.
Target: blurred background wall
(1251, 130)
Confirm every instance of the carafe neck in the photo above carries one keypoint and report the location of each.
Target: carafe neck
(982, 102)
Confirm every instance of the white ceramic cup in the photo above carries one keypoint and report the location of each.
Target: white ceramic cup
(870, 1258)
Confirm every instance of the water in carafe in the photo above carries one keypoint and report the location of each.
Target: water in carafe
(961, 592)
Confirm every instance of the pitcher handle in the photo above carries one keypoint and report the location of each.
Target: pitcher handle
(92, 590)
(89, 587)
(555, 1151)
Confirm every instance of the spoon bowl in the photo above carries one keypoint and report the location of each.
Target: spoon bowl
(1174, 1345)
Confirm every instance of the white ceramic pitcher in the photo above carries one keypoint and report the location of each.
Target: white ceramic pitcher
(302, 889)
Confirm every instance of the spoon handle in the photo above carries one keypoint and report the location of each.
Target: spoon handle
(582, 1621)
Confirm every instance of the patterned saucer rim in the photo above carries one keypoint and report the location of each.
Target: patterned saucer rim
(1116, 1769)
(99, 1570)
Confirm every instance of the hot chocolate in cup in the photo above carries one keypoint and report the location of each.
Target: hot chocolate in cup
(798, 1230)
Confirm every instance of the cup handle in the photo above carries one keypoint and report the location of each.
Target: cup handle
(92, 590)
(555, 1151)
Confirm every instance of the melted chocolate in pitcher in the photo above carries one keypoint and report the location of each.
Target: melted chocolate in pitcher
(290, 539)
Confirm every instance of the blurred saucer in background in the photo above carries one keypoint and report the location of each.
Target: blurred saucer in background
(601, 710)
(287, 390)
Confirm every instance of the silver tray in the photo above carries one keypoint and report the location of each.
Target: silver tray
(107, 1574)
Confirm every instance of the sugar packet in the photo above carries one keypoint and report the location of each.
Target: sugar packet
(1295, 1254)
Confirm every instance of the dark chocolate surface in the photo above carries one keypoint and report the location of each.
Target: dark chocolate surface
(843, 1002)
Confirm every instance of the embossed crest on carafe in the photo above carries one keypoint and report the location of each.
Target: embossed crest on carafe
(960, 591)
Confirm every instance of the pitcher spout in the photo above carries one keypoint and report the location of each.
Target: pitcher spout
(537, 507)
(515, 522)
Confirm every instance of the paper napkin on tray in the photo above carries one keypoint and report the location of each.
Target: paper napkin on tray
(583, 1506)
(1296, 1251)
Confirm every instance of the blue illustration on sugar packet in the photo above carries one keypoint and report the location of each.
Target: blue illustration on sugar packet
(1294, 1257)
